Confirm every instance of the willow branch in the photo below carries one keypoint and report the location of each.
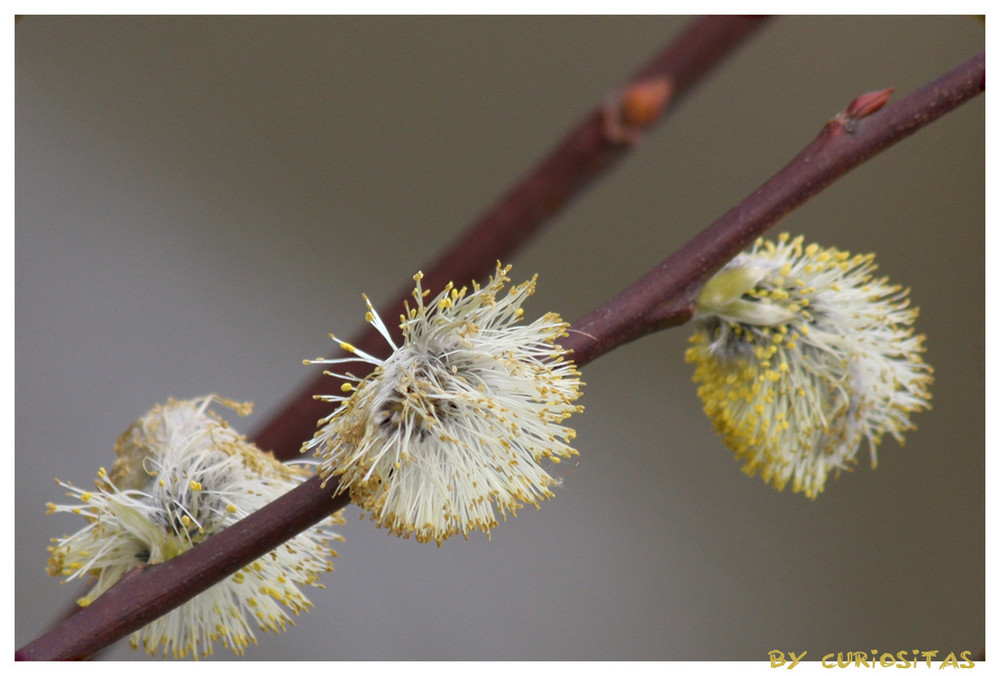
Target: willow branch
(603, 137)
(662, 298)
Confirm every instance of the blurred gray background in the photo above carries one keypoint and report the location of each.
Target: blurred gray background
(199, 201)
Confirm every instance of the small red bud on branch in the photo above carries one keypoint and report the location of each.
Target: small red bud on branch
(866, 104)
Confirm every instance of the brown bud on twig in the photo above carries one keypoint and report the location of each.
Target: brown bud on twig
(636, 109)
(866, 104)
(858, 109)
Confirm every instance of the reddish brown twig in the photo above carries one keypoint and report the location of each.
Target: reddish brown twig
(586, 152)
(661, 298)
